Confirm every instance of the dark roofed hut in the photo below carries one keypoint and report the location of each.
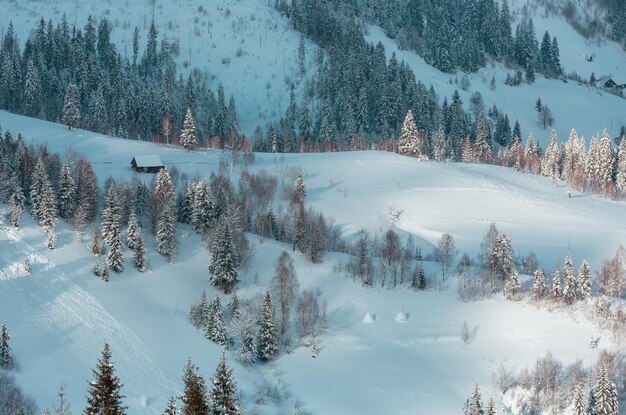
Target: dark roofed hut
(150, 163)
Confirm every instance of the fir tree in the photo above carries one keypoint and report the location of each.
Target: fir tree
(133, 232)
(267, 339)
(6, 357)
(222, 396)
(539, 285)
(605, 399)
(584, 281)
(171, 408)
(550, 163)
(16, 203)
(194, 397)
(410, 143)
(223, 267)
(514, 285)
(620, 179)
(579, 404)
(95, 245)
(244, 325)
(491, 407)
(139, 258)
(199, 313)
(203, 211)
(483, 140)
(67, 194)
(216, 328)
(569, 290)
(474, 404)
(164, 198)
(188, 137)
(71, 105)
(555, 290)
(104, 391)
(111, 216)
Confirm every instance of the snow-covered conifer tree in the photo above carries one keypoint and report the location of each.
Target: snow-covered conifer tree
(483, 140)
(111, 216)
(71, 105)
(579, 404)
(194, 397)
(550, 162)
(267, 340)
(104, 397)
(139, 258)
(223, 266)
(199, 313)
(584, 281)
(539, 285)
(409, 143)
(203, 211)
(165, 200)
(555, 289)
(216, 327)
(569, 290)
(604, 397)
(514, 287)
(6, 357)
(188, 137)
(171, 408)
(223, 393)
(605, 168)
(67, 193)
(474, 404)
(133, 232)
(620, 179)
(16, 202)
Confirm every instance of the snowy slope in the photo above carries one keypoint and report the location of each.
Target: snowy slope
(586, 109)
(60, 314)
(245, 44)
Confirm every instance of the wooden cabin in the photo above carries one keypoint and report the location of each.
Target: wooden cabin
(147, 163)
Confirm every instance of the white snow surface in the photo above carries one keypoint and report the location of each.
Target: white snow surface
(60, 315)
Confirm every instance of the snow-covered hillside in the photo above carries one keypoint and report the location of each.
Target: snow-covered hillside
(61, 314)
(244, 44)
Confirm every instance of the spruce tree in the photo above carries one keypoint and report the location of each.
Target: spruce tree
(194, 397)
(139, 258)
(104, 391)
(223, 266)
(111, 232)
(474, 404)
(483, 140)
(579, 404)
(203, 211)
(605, 399)
(216, 327)
(409, 143)
(171, 408)
(6, 357)
(539, 285)
(555, 290)
(164, 199)
(514, 285)
(550, 162)
(17, 201)
(71, 105)
(223, 393)
(188, 137)
(199, 314)
(267, 341)
(67, 193)
(584, 281)
(569, 290)
(491, 407)
(134, 231)
(620, 179)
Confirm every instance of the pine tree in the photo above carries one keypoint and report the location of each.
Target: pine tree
(171, 408)
(16, 201)
(71, 105)
(111, 233)
(199, 313)
(67, 194)
(514, 285)
(216, 328)
(115, 258)
(550, 163)
(133, 232)
(579, 404)
(6, 357)
(95, 245)
(104, 391)
(267, 340)
(188, 137)
(555, 290)
(164, 199)
(223, 267)
(139, 258)
(620, 179)
(474, 404)
(605, 399)
(195, 396)
(584, 281)
(410, 142)
(244, 324)
(539, 285)
(483, 140)
(569, 290)
(491, 407)
(222, 396)
(203, 211)
(605, 168)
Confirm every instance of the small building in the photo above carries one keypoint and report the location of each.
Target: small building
(147, 163)
(611, 82)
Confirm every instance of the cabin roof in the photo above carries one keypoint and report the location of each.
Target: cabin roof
(147, 160)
